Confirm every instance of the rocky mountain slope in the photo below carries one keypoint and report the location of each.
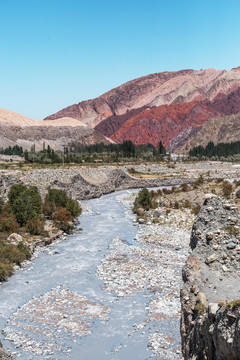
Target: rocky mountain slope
(173, 124)
(221, 129)
(210, 295)
(20, 130)
(160, 106)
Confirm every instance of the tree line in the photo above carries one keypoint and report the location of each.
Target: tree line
(219, 150)
(76, 152)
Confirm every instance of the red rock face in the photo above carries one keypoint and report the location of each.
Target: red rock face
(165, 122)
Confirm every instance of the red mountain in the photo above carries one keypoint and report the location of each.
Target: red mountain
(165, 122)
(164, 106)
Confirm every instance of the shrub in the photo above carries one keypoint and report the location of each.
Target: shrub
(132, 171)
(143, 199)
(227, 189)
(167, 191)
(8, 222)
(62, 219)
(196, 209)
(199, 308)
(74, 207)
(35, 226)
(159, 192)
(185, 187)
(49, 207)
(200, 180)
(6, 269)
(14, 254)
(154, 204)
(187, 204)
(176, 205)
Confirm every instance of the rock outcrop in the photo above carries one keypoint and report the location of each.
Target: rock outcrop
(210, 305)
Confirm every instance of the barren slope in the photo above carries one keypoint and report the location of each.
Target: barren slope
(20, 130)
(224, 129)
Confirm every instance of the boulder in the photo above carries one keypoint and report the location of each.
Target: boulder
(15, 238)
(140, 211)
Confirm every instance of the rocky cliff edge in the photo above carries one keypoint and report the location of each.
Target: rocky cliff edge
(210, 305)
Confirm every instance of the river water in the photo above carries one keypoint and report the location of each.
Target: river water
(57, 307)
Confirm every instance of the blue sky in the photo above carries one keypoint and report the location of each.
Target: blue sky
(54, 53)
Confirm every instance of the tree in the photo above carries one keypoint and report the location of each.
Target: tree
(59, 197)
(26, 205)
(15, 191)
(161, 149)
(143, 200)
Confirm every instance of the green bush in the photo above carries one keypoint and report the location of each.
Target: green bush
(27, 205)
(74, 207)
(200, 180)
(56, 199)
(13, 254)
(59, 197)
(187, 204)
(143, 199)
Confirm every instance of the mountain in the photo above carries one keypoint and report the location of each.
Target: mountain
(16, 129)
(169, 106)
(154, 90)
(169, 123)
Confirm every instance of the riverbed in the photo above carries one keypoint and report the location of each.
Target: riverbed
(108, 291)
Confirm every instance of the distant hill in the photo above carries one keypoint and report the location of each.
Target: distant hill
(20, 130)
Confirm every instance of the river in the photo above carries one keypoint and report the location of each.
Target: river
(89, 297)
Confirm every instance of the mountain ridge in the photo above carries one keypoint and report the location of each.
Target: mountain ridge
(153, 90)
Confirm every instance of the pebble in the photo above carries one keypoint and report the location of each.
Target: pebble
(231, 245)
